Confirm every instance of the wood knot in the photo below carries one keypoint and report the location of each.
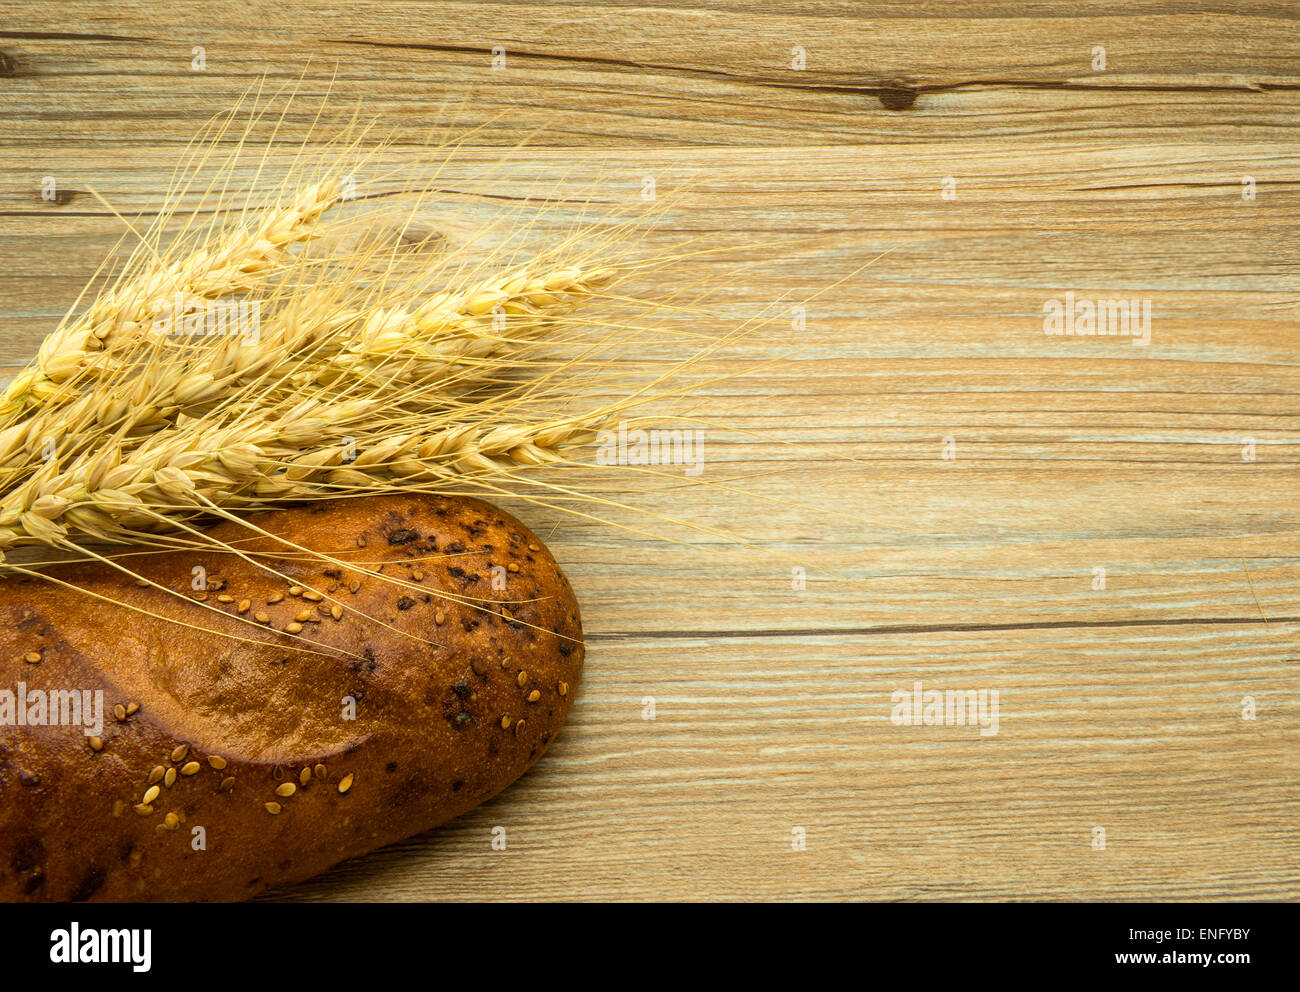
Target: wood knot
(897, 95)
(414, 239)
(8, 65)
(61, 197)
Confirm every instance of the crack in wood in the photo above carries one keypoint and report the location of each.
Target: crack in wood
(895, 93)
(68, 36)
(939, 628)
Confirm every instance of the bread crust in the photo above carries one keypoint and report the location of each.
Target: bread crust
(446, 714)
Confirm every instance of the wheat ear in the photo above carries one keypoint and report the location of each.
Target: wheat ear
(119, 494)
(461, 331)
(239, 260)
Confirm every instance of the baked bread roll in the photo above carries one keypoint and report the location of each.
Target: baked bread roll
(353, 704)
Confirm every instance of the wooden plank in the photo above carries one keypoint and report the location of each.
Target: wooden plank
(1070, 217)
(1134, 731)
(1170, 465)
(603, 74)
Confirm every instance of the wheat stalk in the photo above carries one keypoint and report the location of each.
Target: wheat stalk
(238, 261)
(462, 330)
(121, 495)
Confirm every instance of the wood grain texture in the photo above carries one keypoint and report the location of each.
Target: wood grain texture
(1120, 708)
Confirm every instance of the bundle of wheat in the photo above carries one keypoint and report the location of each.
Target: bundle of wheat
(359, 375)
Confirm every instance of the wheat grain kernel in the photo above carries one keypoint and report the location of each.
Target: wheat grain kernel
(345, 783)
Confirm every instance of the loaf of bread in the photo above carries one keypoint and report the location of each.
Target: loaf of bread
(355, 702)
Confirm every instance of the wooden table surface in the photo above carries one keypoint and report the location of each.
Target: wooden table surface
(952, 478)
